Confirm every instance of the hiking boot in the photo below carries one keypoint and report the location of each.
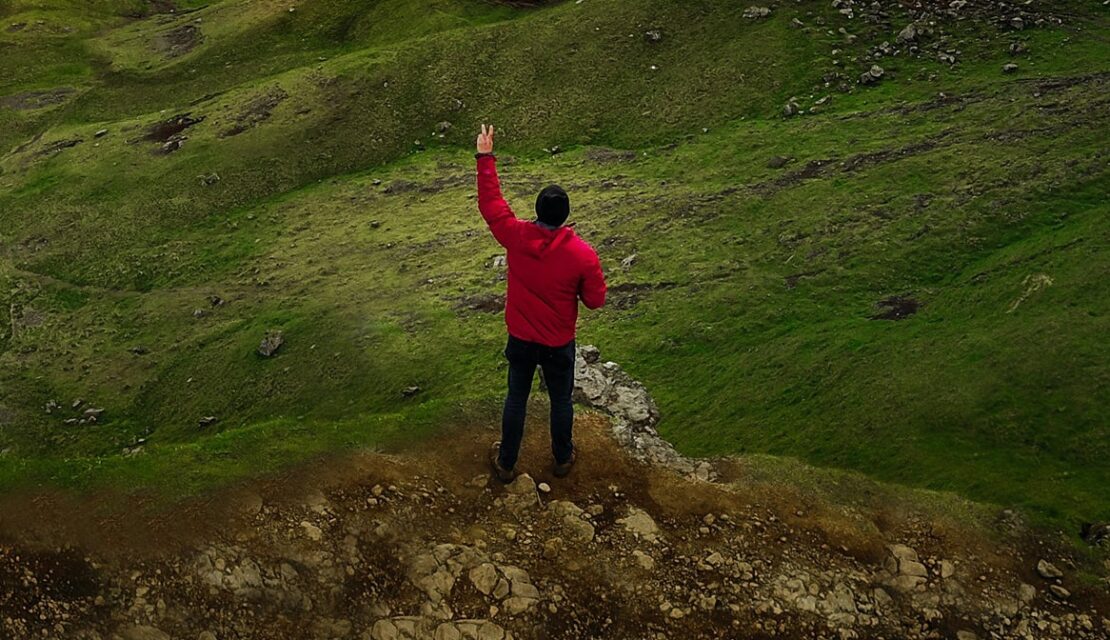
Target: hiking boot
(562, 469)
(501, 473)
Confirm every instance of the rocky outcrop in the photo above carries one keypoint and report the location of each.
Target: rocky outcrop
(608, 388)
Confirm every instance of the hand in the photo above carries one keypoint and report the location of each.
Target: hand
(485, 140)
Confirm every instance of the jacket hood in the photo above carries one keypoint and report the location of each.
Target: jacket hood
(538, 240)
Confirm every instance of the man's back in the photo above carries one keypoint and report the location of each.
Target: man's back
(550, 269)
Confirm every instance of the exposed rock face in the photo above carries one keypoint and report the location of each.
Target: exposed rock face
(605, 386)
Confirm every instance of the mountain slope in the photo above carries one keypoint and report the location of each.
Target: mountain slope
(905, 279)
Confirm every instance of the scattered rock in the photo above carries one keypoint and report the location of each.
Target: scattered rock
(653, 35)
(908, 33)
(640, 524)
(791, 109)
(872, 75)
(1009, 67)
(1027, 593)
(1059, 591)
(643, 560)
(754, 13)
(1048, 571)
(1095, 534)
(271, 342)
(409, 392)
(207, 421)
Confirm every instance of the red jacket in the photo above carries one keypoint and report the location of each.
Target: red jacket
(549, 269)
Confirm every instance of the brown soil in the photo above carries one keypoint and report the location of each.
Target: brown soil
(896, 308)
(332, 549)
(257, 111)
(165, 130)
(36, 99)
(179, 41)
(481, 303)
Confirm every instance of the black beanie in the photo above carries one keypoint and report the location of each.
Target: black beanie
(553, 206)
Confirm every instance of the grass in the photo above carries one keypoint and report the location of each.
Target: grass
(747, 309)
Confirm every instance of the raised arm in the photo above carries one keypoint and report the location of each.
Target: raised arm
(592, 287)
(496, 212)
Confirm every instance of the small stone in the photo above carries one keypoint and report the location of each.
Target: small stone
(791, 109)
(754, 13)
(908, 33)
(1048, 571)
(1009, 67)
(409, 392)
(207, 421)
(1059, 591)
(544, 487)
(517, 605)
(552, 548)
(643, 560)
(271, 342)
(101, 133)
(484, 577)
(640, 524)
(312, 531)
(1027, 592)
(778, 162)
(653, 35)
(947, 569)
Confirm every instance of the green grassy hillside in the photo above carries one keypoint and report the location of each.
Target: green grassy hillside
(174, 185)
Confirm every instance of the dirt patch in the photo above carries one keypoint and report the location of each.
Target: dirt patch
(257, 111)
(399, 186)
(169, 128)
(179, 41)
(793, 279)
(629, 294)
(16, 27)
(819, 168)
(37, 99)
(57, 146)
(482, 303)
(604, 155)
(896, 308)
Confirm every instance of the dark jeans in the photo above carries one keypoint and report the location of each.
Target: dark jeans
(558, 373)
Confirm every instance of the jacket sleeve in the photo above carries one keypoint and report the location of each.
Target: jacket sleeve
(592, 287)
(491, 204)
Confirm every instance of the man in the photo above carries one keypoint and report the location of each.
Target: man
(550, 270)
